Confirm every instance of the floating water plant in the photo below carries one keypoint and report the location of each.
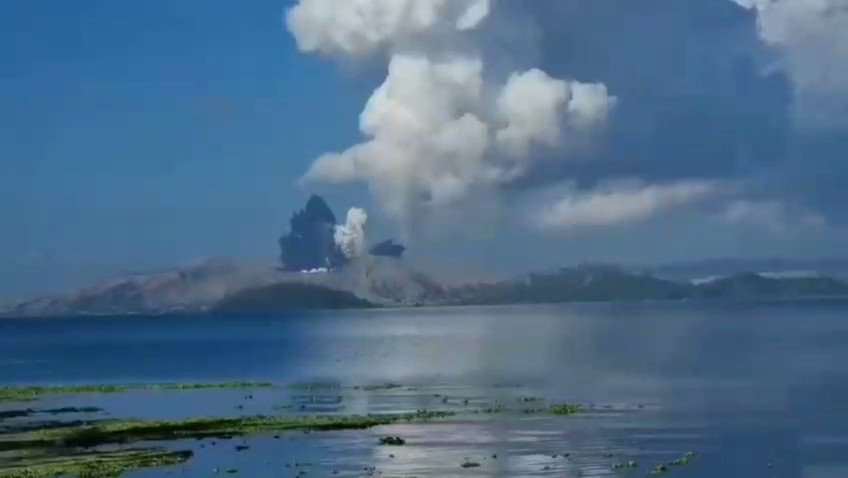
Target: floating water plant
(99, 464)
(34, 392)
(392, 441)
(378, 387)
(685, 459)
(123, 431)
(531, 399)
(626, 466)
(4, 414)
(566, 409)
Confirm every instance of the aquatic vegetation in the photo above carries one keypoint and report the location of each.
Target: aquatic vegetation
(659, 469)
(98, 464)
(566, 409)
(531, 399)
(5, 414)
(626, 466)
(314, 386)
(124, 431)
(379, 387)
(58, 411)
(684, 460)
(393, 441)
(27, 393)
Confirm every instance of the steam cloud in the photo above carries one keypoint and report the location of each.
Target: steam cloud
(352, 236)
(443, 124)
(813, 37)
(455, 119)
(622, 204)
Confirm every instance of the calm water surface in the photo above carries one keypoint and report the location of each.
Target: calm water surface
(758, 390)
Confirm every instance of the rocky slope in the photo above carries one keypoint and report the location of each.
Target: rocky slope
(374, 280)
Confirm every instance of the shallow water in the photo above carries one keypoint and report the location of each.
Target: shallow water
(755, 389)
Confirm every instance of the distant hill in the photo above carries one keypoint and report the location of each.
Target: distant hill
(216, 285)
(609, 283)
(283, 297)
(223, 287)
(712, 268)
(314, 273)
(750, 285)
(580, 284)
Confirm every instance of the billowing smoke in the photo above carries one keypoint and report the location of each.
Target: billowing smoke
(351, 237)
(812, 36)
(449, 120)
(471, 113)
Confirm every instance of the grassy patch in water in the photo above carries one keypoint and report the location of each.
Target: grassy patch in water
(34, 392)
(125, 431)
(98, 464)
(5, 414)
(314, 386)
(379, 387)
(566, 409)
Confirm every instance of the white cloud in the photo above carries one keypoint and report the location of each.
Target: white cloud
(617, 205)
(361, 27)
(813, 38)
(473, 15)
(774, 216)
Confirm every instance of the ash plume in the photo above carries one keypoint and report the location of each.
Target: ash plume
(351, 237)
(449, 120)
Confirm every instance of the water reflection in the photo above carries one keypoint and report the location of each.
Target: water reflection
(744, 385)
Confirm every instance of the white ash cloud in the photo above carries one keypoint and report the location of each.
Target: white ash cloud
(444, 124)
(358, 28)
(352, 237)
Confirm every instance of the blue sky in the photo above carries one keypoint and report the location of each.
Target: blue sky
(143, 134)
(138, 135)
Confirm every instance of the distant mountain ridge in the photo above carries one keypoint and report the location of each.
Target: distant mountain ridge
(372, 281)
(224, 287)
(314, 273)
(590, 283)
(837, 268)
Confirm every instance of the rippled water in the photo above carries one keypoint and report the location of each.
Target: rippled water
(755, 389)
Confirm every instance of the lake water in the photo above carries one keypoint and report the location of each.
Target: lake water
(757, 389)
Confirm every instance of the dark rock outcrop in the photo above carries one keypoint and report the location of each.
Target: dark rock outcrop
(387, 249)
(309, 243)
